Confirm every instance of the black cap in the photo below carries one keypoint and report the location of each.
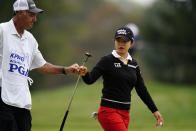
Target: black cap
(124, 32)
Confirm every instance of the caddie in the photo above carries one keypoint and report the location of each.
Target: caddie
(19, 54)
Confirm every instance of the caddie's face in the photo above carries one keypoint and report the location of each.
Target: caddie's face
(122, 46)
(28, 19)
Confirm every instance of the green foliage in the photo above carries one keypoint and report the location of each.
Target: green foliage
(175, 102)
(168, 30)
(66, 29)
(6, 10)
(69, 28)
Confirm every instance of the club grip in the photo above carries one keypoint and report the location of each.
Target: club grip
(64, 119)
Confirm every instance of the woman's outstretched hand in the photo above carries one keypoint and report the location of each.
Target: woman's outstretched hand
(83, 70)
(159, 118)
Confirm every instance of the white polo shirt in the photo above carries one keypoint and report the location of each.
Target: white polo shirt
(18, 55)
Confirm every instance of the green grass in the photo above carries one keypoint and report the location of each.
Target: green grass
(177, 103)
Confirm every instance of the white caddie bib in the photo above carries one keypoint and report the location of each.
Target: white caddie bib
(18, 56)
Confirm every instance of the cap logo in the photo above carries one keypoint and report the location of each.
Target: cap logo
(32, 5)
(122, 31)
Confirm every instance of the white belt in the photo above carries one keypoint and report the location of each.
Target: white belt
(116, 101)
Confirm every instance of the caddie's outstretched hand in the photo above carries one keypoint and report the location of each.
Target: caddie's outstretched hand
(72, 70)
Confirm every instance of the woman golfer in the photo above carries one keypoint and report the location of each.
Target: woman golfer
(121, 74)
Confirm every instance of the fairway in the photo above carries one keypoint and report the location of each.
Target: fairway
(175, 102)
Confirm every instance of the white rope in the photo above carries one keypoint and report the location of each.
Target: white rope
(30, 81)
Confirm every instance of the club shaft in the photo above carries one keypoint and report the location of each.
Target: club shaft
(75, 88)
(73, 94)
(67, 111)
(64, 119)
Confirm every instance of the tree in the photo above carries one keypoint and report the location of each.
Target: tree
(170, 50)
(6, 10)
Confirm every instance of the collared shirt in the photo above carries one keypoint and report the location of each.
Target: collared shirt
(118, 81)
(124, 60)
(18, 55)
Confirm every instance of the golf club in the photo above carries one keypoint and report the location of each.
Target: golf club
(74, 91)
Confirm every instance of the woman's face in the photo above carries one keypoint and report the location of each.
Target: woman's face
(122, 46)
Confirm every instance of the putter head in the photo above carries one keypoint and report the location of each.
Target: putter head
(88, 54)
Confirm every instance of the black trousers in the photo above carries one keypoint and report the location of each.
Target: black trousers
(13, 118)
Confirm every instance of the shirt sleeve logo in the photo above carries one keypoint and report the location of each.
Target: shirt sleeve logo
(117, 65)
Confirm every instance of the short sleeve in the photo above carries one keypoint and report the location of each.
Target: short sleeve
(37, 60)
(1, 37)
(1, 50)
(1, 44)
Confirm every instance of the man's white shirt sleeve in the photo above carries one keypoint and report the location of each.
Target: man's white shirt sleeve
(1, 36)
(1, 51)
(38, 60)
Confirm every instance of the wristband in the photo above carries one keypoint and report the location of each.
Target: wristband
(63, 71)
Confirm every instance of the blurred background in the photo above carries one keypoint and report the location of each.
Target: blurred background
(165, 48)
